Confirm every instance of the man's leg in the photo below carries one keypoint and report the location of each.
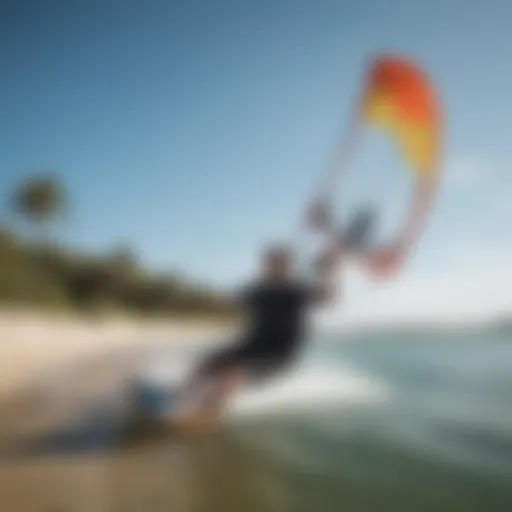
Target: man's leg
(223, 386)
(204, 372)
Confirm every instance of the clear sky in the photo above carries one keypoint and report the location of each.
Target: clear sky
(193, 130)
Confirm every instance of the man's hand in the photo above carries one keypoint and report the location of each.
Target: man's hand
(385, 262)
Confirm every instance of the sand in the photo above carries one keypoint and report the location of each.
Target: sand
(31, 343)
(52, 371)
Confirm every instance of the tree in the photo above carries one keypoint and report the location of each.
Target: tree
(39, 200)
(124, 260)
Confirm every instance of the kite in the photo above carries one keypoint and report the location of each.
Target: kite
(398, 97)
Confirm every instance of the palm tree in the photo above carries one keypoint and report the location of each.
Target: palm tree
(40, 200)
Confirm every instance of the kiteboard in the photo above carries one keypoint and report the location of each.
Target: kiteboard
(163, 408)
(161, 401)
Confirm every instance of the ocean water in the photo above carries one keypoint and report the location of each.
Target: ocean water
(412, 423)
(420, 423)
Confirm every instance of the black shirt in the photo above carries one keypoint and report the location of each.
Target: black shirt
(277, 317)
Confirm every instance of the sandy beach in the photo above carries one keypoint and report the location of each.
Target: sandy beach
(52, 370)
(32, 344)
(52, 363)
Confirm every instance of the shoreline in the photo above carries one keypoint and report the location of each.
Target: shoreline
(34, 343)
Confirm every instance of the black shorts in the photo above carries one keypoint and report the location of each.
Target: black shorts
(258, 363)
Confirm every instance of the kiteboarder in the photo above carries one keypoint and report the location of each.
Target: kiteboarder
(399, 98)
(277, 305)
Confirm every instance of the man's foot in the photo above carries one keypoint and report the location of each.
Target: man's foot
(193, 423)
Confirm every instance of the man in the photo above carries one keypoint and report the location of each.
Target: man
(277, 307)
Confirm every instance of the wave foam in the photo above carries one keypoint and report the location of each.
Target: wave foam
(307, 387)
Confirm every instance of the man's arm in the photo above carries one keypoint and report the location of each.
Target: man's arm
(324, 289)
(348, 242)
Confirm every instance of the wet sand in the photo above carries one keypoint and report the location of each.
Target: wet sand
(162, 476)
(66, 439)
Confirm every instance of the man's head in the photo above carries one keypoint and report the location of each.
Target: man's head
(277, 263)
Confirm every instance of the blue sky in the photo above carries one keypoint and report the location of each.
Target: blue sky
(194, 130)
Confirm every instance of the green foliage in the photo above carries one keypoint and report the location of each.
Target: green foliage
(49, 276)
(40, 198)
(52, 277)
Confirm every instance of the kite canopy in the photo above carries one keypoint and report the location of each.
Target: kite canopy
(399, 98)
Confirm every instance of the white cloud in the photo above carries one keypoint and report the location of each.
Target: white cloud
(465, 172)
(473, 286)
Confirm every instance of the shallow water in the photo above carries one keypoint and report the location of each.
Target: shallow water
(421, 424)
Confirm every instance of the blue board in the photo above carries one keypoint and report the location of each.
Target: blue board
(153, 399)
